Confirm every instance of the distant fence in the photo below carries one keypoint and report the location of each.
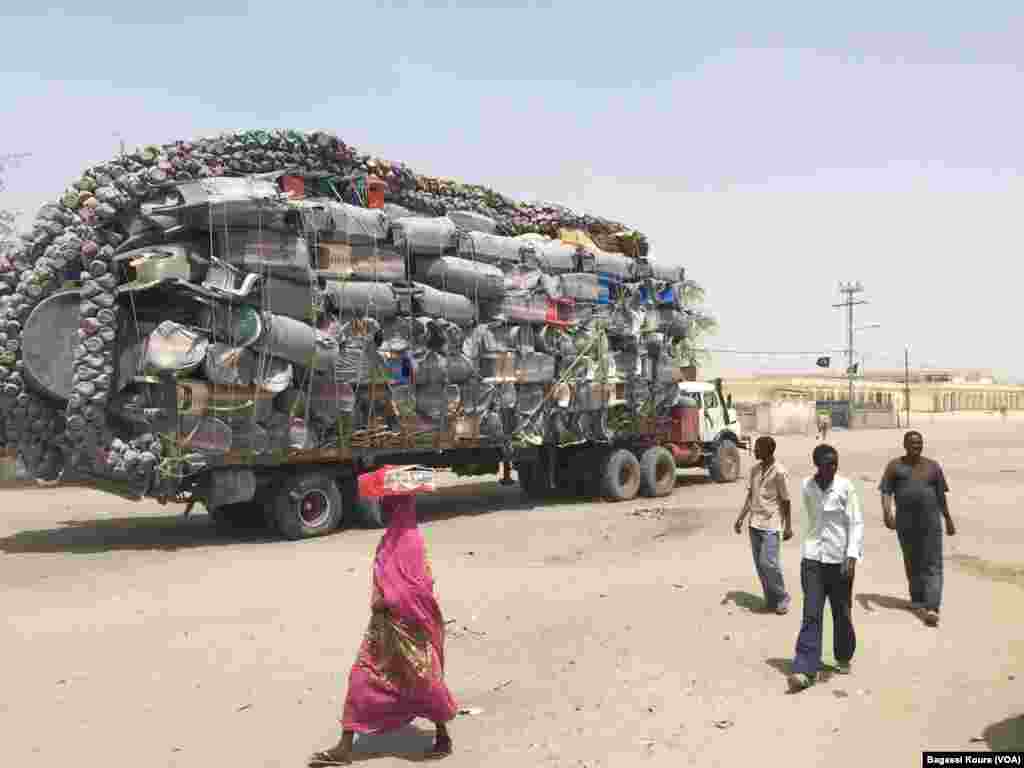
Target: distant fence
(865, 415)
(781, 417)
(801, 417)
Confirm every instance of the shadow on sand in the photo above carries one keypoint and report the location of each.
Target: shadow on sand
(782, 666)
(687, 480)
(408, 743)
(868, 602)
(145, 532)
(1006, 735)
(745, 600)
(169, 532)
(785, 666)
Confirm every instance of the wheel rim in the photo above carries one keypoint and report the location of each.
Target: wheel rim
(314, 509)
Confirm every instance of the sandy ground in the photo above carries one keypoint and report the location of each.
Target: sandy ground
(589, 634)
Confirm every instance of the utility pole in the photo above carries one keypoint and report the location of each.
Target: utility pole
(906, 381)
(850, 290)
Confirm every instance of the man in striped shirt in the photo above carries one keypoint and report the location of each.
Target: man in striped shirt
(833, 544)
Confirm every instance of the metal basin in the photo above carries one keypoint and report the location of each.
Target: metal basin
(48, 342)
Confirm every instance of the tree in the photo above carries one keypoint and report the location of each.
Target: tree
(688, 351)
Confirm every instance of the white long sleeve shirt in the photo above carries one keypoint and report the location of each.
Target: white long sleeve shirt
(835, 521)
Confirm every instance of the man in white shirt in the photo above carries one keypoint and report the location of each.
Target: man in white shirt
(833, 543)
(768, 505)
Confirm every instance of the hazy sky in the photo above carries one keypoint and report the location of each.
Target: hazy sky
(771, 148)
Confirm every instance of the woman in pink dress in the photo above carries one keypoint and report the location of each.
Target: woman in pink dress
(398, 674)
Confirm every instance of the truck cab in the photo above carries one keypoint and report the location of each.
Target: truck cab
(713, 436)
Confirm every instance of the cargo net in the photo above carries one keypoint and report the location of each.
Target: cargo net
(262, 293)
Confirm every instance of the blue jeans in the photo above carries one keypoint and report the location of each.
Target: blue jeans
(765, 547)
(821, 581)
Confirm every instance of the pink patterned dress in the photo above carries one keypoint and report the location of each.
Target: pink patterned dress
(398, 674)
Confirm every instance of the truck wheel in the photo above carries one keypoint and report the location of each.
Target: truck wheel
(657, 472)
(308, 505)
(724, 463)
(620, 478)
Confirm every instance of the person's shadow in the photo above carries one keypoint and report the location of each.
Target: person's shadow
(1006, 735)
(744, 600)
(785, 666)
(869, 601)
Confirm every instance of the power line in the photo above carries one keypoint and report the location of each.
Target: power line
(807, 353)
(748, 352)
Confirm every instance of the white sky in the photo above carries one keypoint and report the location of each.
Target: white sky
(772, 149)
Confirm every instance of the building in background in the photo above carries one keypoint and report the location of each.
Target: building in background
(931, 390)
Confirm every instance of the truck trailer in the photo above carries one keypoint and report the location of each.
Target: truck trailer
(252, 321)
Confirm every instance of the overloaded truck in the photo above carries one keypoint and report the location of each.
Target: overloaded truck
(254, 320)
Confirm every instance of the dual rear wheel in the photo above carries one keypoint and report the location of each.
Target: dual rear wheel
(619, 475)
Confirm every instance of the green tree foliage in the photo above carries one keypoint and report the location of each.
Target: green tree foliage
(689, 351)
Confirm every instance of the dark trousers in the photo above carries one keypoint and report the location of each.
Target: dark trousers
(765, 548)
(922, 560)
(821, 581)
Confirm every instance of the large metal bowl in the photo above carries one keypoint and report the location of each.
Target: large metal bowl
(48, 343)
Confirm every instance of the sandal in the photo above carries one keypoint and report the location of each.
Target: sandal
(439, 751)
(324, 759)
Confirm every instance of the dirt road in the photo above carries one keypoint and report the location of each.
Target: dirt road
(589, 634)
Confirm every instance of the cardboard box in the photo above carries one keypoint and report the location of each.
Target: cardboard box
(498, 365)
(335, 259)
(467, 427)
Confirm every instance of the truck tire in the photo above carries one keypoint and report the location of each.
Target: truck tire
(657, 472)
(620, 476)
(308, 505)
(724, 462)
